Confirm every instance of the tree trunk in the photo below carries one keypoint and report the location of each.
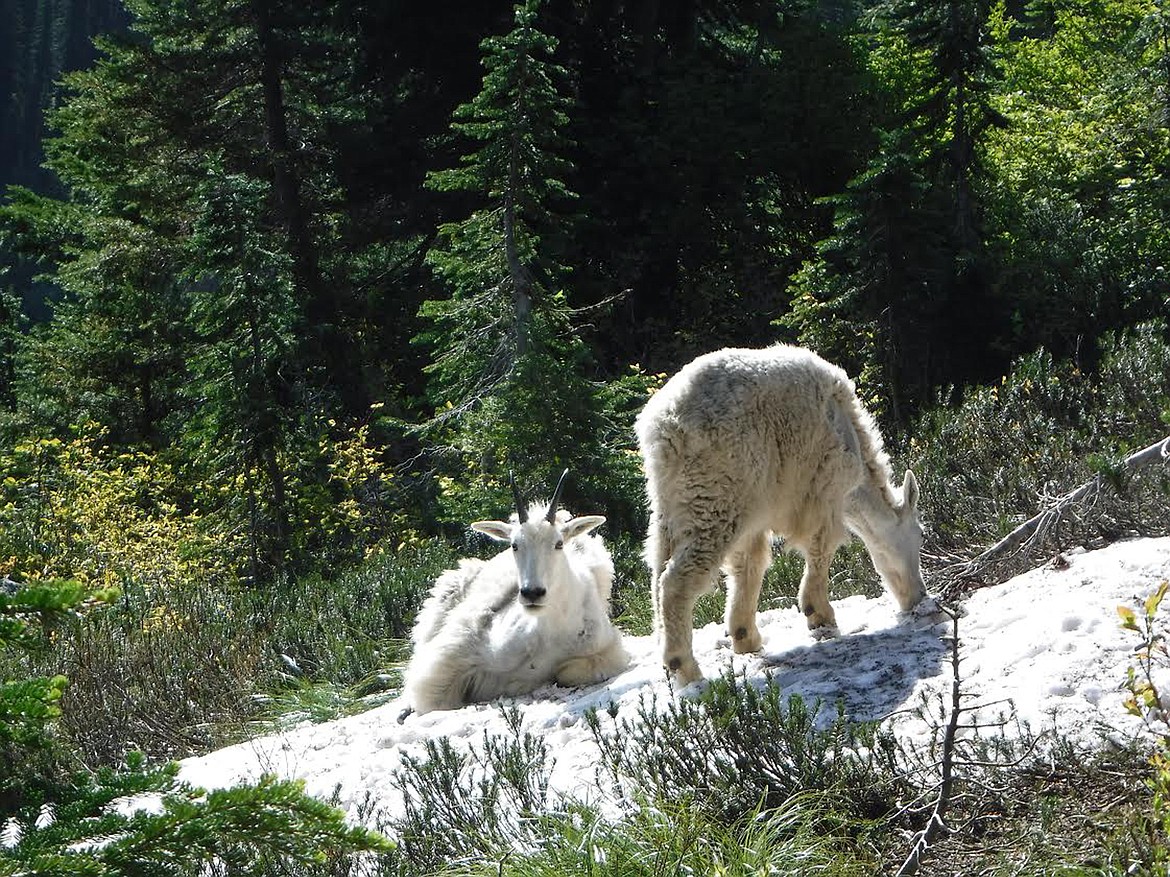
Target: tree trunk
(322, 314)
(517, 270)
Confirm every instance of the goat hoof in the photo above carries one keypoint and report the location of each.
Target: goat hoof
(684, 671)
(820, 619)
(402, 716)
(746, 639)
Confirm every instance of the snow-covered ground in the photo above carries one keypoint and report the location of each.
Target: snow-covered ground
(1050, 641)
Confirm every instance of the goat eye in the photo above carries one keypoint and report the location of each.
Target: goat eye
(560, 544)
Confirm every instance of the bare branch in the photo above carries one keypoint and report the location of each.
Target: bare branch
(936, 824)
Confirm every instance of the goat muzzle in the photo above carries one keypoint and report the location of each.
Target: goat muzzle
(532, 598)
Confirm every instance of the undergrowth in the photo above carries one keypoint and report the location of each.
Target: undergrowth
(741, 781)
(180, 670)
(738, 780)
(57, 819)
(738, 747)
(1046, 428)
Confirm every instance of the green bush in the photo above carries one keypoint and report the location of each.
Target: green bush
(58, 821)
(30, 703)
(996, 459)
(671, 837)
(472, 805)
(269, 828)
(737, 748)
(488, 809)
(343, 629)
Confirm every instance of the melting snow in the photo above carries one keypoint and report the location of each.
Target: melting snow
(1049, 641)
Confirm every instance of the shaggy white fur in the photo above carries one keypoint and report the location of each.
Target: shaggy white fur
(742, 444)
(535, 613)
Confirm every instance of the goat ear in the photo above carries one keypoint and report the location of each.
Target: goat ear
(498, 530)
(909, 491)
(580, 526)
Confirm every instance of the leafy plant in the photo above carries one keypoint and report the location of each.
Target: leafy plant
(739, 747)
(1146, 702)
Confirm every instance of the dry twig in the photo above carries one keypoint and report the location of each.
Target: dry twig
(936, 824)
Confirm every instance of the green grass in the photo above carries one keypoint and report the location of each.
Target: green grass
(670, 838)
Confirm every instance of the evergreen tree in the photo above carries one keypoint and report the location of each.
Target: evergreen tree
(208, 302)
(865, 298)
(951, 113)
(506, 377)
(707, 132)
(10, 319)
(906, 268)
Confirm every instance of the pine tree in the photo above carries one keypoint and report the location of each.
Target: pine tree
(10, 320)
(875, 281)
(906, 267)
(207, 291)
(506, 376)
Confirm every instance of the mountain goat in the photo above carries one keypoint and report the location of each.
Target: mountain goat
(537, 612)
(741, 444)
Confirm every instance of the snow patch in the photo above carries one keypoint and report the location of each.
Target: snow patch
(1048, 641)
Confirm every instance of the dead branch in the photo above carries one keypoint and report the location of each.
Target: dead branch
(936, 823)
(1035, 529)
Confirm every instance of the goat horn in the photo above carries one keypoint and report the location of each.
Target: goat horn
(552, 503)
(521, 512)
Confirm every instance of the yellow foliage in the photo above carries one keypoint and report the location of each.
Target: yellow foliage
(76, 509)
(162, 618)
(80, 509)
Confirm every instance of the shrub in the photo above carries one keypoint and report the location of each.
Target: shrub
(464, 806)
(1046, 428)
(338, 499)
(737, 748)
(175, 665)
(272, 827)
(29, 704)
(178, 670)
(56, 821)
(489, 810)
(675, 838)
(1151, 836)
(170, 672)
(80, 509)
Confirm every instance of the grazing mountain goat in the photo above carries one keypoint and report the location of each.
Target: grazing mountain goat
(741, 444)
(537, 612)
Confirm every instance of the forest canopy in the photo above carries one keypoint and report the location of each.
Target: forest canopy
(330, 271)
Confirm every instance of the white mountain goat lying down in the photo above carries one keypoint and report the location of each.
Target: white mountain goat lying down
(741, 444)
(535, 613)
